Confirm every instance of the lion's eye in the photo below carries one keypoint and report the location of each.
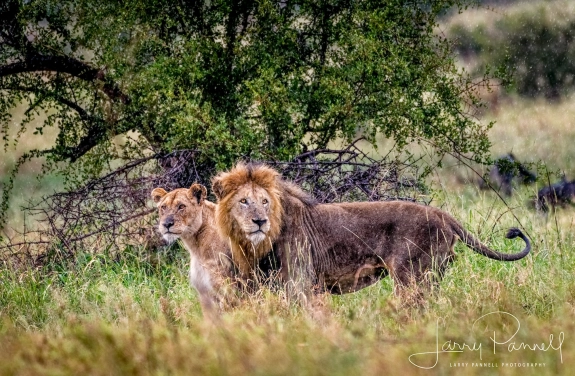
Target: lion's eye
(264, 201)
(244, 201)
(163, 207)
(181, 207)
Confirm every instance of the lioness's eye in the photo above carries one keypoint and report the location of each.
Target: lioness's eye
(244, 201)
(181, 207)
(163, 207)
(264, 201)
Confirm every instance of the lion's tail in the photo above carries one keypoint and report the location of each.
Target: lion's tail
(482, 249)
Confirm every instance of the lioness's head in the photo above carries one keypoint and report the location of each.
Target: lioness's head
(180, 210)
(249, 209)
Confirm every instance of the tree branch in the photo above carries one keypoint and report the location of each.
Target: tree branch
(65, 64)
(96, 130)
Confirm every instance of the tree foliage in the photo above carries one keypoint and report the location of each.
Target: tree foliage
(256, 79)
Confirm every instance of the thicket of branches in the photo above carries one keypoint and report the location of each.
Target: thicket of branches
(113, 212)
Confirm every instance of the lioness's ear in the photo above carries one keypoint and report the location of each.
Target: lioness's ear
(158, 193)
(218, 187)
(199, 192)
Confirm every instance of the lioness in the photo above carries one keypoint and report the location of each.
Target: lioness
(342, 247)
(186, 214)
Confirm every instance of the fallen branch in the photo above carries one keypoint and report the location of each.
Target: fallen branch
(113, 212)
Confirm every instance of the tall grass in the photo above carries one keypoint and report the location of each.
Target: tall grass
(136, 314)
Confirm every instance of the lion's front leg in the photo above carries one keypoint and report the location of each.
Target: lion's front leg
(208, 283)
(246, 264)
(297, 271)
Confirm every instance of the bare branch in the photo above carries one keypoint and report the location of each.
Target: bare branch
(111, 212)
(68, 65)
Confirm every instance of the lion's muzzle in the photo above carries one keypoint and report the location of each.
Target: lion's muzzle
(256, 231)
(259, 222)
(168, 222)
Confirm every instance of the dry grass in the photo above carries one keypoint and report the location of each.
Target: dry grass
(487, 16)
(137, 315)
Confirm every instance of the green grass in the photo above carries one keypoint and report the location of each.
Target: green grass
(136, 314)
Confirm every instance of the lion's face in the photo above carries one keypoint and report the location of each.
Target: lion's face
(250, 209)
(180, 210)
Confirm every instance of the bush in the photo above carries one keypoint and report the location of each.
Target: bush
(536, 43)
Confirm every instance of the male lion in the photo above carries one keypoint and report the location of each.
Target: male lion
(341, 247)
(186, 214)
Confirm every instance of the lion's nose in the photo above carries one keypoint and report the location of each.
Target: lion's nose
(259, 222)
(168, 222)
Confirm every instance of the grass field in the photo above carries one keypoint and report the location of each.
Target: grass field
(136, 314)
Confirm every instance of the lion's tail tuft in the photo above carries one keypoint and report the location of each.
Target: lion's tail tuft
(513, 233)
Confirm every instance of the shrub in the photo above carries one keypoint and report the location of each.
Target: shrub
(536, 43)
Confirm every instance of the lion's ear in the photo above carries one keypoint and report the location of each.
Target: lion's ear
(218, 188)
(198, 191)
(157, 194)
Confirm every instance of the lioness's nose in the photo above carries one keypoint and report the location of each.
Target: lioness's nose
(259, 222)
(168, 222)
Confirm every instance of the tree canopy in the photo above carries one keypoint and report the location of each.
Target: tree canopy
(232, 78)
